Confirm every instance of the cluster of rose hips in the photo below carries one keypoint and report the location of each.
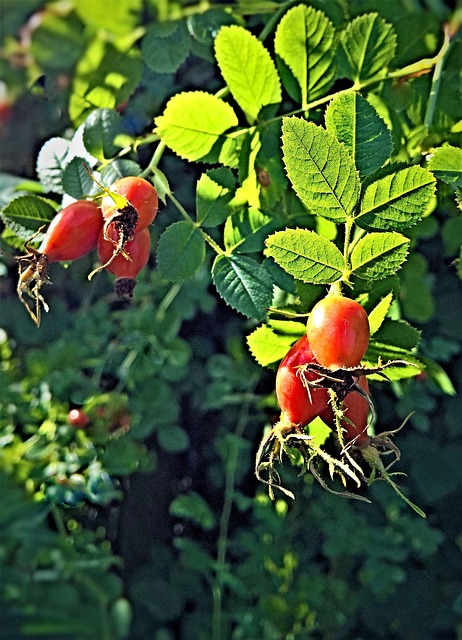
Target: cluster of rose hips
(117, 228)
(321, 376)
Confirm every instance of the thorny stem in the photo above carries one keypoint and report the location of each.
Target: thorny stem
(222, 545)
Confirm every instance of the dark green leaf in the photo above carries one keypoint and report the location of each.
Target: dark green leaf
(76, 180)
(103, 133)
(181, 251)
(192, 506)
(166, 46)
(357, 124)
(244, 284)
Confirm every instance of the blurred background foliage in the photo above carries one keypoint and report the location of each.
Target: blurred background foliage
(149, 522)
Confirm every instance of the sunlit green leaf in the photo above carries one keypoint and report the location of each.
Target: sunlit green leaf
(193, 122)
(268, 346)
(367, 46)
(446, 164)
(397, 200)
(378, 255)
(248, 70)
(320, 168)
(379, 312)
(306, 255)
(215, 190)
(305, 46)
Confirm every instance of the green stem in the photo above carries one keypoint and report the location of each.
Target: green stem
(436, 80)
(210, 241)
(222, 544)
(59, 521)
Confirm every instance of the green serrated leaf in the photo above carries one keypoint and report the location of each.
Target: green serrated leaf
(248, 70)
(446, 164)
(103, 133)
(397, 200)
(51, 162)
(378, 255)
(30, 212)
(215, 190)
(193, 122)
(355, 122)
(379, 312)
(367, 46)
(306, 255)
(398, 334)
(192, 506)
(244, 284)
(181, 251)
(104, 78)
(246, 230)
(76, 180)
(166, 46)
(305, 45)
(267, 346)
(320, 169)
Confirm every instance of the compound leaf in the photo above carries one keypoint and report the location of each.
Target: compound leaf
(321, 170)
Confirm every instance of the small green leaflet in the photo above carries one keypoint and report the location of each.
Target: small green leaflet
(355, 122)
(181, 251)
(320, 169)
(268, 346)
(367, 46)
(378, 255)
(76, 180)
(193, 122)
(215, 190)
(172, 438)
(244, 284)
(193, 507)
(397, 200)
(306, 255)
(166, 45)
(446, 164)
(305, 47)
(379, 312)
(248, 70)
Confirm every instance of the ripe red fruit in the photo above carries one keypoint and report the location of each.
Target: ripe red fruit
(78, 418)
(125, 269)
(299, 404)
(73, 232)
(141, 195)
(338, 332)
(356, 409)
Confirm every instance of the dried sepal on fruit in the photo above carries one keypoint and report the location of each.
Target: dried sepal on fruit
(128, 206)
(72, 234)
